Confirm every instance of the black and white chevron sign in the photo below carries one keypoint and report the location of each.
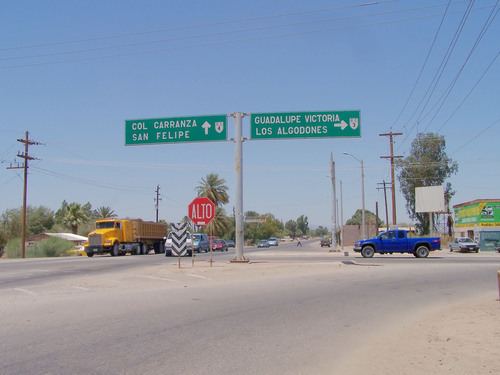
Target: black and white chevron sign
(179, 239)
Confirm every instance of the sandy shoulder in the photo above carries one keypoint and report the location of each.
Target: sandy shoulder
(460, 339)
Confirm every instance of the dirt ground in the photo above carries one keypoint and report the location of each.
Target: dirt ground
(463, 339)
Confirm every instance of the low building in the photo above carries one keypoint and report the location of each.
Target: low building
(480, 220)
(75, 238)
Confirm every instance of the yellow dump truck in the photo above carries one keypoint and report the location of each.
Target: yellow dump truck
(119, 236)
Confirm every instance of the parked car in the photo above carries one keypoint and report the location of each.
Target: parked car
(464, 244)
(326, 242)
(272, 241)
(168, 245)
(263, 243)
(219, 245)
(397, 241)
(201, 243)
(230, 243)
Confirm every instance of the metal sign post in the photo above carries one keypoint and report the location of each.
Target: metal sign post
(238, 167)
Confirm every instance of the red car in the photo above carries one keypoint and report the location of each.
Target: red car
(219, 245)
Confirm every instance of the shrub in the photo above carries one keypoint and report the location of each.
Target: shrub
(51, 247)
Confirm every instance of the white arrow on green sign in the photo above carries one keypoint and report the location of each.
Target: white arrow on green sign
(305, 124)
(176, 129)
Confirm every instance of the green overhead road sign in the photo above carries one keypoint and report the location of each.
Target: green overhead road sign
(176, 129)
(305, 124)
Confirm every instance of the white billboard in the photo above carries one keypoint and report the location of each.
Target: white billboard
(429, 199)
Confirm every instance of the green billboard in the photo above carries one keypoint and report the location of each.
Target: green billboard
(484, 213)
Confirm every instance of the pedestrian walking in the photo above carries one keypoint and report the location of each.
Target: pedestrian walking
(299, 243)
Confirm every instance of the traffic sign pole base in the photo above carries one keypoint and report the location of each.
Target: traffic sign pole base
(240, 260)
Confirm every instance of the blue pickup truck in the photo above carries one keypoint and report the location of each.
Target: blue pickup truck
(397, 241)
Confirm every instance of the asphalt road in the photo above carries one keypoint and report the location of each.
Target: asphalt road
(291, 311)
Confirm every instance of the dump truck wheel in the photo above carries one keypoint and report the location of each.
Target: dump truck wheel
(116, 250)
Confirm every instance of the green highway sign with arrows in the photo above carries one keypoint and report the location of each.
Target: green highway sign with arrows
(176, 129)
(305, 124)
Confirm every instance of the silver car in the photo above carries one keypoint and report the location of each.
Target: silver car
(464, 244)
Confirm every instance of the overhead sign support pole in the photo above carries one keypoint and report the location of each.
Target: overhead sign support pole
(238, 166)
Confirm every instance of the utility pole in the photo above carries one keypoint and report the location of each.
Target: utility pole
(391, 136)
(385, 201)
(334, 203)
(238, 167)
(157, 200)
(342, 221)
(26, 156)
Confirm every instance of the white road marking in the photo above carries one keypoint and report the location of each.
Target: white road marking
(25, 291)
(160, 278)
(81, 288)
(198, 276)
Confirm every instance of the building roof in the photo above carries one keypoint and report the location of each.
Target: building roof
(475, 201)
(68, 236)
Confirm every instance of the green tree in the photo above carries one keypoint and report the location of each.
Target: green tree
(426, 165)
(72, 215)
(321, 231)
(214, 188)
(11, 223)
(303, 224)
(219, 225)
(370, 218)
(291, 227)
(40, 219)
(103, 212)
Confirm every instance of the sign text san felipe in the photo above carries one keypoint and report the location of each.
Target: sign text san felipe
(176, 129)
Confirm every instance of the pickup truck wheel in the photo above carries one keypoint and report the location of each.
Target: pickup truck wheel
(90, 253)
(422, 252)
(367, 251)
(116, 250)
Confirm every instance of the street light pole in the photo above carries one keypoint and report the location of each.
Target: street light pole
(363, 222)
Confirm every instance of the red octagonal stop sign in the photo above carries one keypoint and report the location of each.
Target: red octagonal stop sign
(201, 211)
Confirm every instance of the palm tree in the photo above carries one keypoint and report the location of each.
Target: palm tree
(214, 188)
(103, 212)
(219, 225)
(73, 214)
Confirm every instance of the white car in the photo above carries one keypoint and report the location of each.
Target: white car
(168, 245)
(464, 244)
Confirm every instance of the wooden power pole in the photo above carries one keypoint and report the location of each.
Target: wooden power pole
(27, 157)
(391, 136)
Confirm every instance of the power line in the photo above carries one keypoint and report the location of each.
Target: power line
(431, 47)
(470, 91)
(285, 35)
(439, 72)
(202, 25)
(447, 92)
(477, 135)
(89, 182)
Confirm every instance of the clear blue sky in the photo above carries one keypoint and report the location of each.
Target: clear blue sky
(72, 72)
